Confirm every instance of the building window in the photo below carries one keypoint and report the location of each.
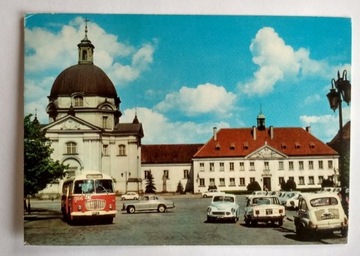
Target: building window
(242, 182)
(105, 150)
(311, 180)
(252, 166)
(291, 178)
(242, 166)
(166, 174)
(321, 178)
(146, 174)
(212, 167)
(122, 150)
(266, 166)
(78, 101)
(301, 180)
(232, 182)
(221, 167)
(71, 148)
(222, 182)
(252, 179)
(186, 174)
(105, 122)
(212, 182)
(301, 165)
(281, 165)
(202, 182)
(231, 166)
(281, 180)
(321, 166)
(202, 167)
(330, 164)
(291, 165)
(311, 165)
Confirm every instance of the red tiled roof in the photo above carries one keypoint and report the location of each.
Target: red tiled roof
(168, 153)
(240, 142)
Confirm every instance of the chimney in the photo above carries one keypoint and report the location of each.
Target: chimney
(254, 132)
(308, 129)
(271, 132)
(214, 132)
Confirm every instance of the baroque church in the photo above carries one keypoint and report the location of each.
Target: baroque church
(84, 124)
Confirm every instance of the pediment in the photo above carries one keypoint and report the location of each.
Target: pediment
(70, 123)
(266, 152)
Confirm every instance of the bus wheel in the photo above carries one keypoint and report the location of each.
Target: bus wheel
(131, 209)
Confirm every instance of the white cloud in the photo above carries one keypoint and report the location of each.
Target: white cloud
(312, 99)
(325, 127)
(46, 50)
(204, 99)
(159, 129)
(278, 61)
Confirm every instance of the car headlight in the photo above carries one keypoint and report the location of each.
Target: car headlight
(209, 209)
(233, 210)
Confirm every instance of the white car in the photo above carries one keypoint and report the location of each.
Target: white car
(286, 195)
(211, 193)
(265, 209)
(223, 207)
(292, 200)
(320, 212)
(256, 193)
(130, 196)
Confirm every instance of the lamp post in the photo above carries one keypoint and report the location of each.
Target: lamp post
(126, 179)
(340, 91)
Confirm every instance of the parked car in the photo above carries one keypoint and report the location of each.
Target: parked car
(256, 193)
(320, 212)
(262, 208)
(130, 196)
(223, 207)
(286, 195)
(292, 201)
(211, 192)
(330, 189)
(148, 203)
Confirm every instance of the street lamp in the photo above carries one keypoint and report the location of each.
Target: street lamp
(126, 179)
(340, 91)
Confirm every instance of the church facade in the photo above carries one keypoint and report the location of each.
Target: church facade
(84, 124)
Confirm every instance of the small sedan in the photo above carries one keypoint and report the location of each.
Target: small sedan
(130, 196)
(320, 212)
(265, 209)
(223, 207)
(148, 203)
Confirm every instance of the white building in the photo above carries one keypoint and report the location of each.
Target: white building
(234, 157)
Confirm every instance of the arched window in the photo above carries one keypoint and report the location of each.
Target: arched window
(71, 148)
(78, 101)
(122, 150)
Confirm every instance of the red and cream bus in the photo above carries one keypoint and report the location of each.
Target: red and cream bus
(89, 194)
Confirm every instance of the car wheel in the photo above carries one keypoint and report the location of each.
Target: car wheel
(161, 208)
(281, 222)
(131, 209)
(299, 230)
(204, 196)
(123, 198)
(247, 222)
(344, 232)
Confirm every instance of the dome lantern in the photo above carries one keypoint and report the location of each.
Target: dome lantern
(86, 49)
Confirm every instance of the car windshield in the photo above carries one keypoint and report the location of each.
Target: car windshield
(223, 199)
(323, 201)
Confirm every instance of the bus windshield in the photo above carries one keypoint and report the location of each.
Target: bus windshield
(86, 186)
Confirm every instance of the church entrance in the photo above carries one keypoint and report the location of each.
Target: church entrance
(267, 183)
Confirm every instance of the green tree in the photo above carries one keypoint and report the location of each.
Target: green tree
(39, 168)
(150, 186)
(327, 183)
(253, 186)
(289, 185)
(180, 188)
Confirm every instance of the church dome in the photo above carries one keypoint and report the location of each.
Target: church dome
(83, 78)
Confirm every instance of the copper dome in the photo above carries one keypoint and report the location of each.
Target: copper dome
(85, 78)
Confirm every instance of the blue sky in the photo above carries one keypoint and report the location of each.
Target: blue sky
(185, 74)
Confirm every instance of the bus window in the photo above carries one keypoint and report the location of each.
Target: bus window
(103, 186)
(84, 186)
